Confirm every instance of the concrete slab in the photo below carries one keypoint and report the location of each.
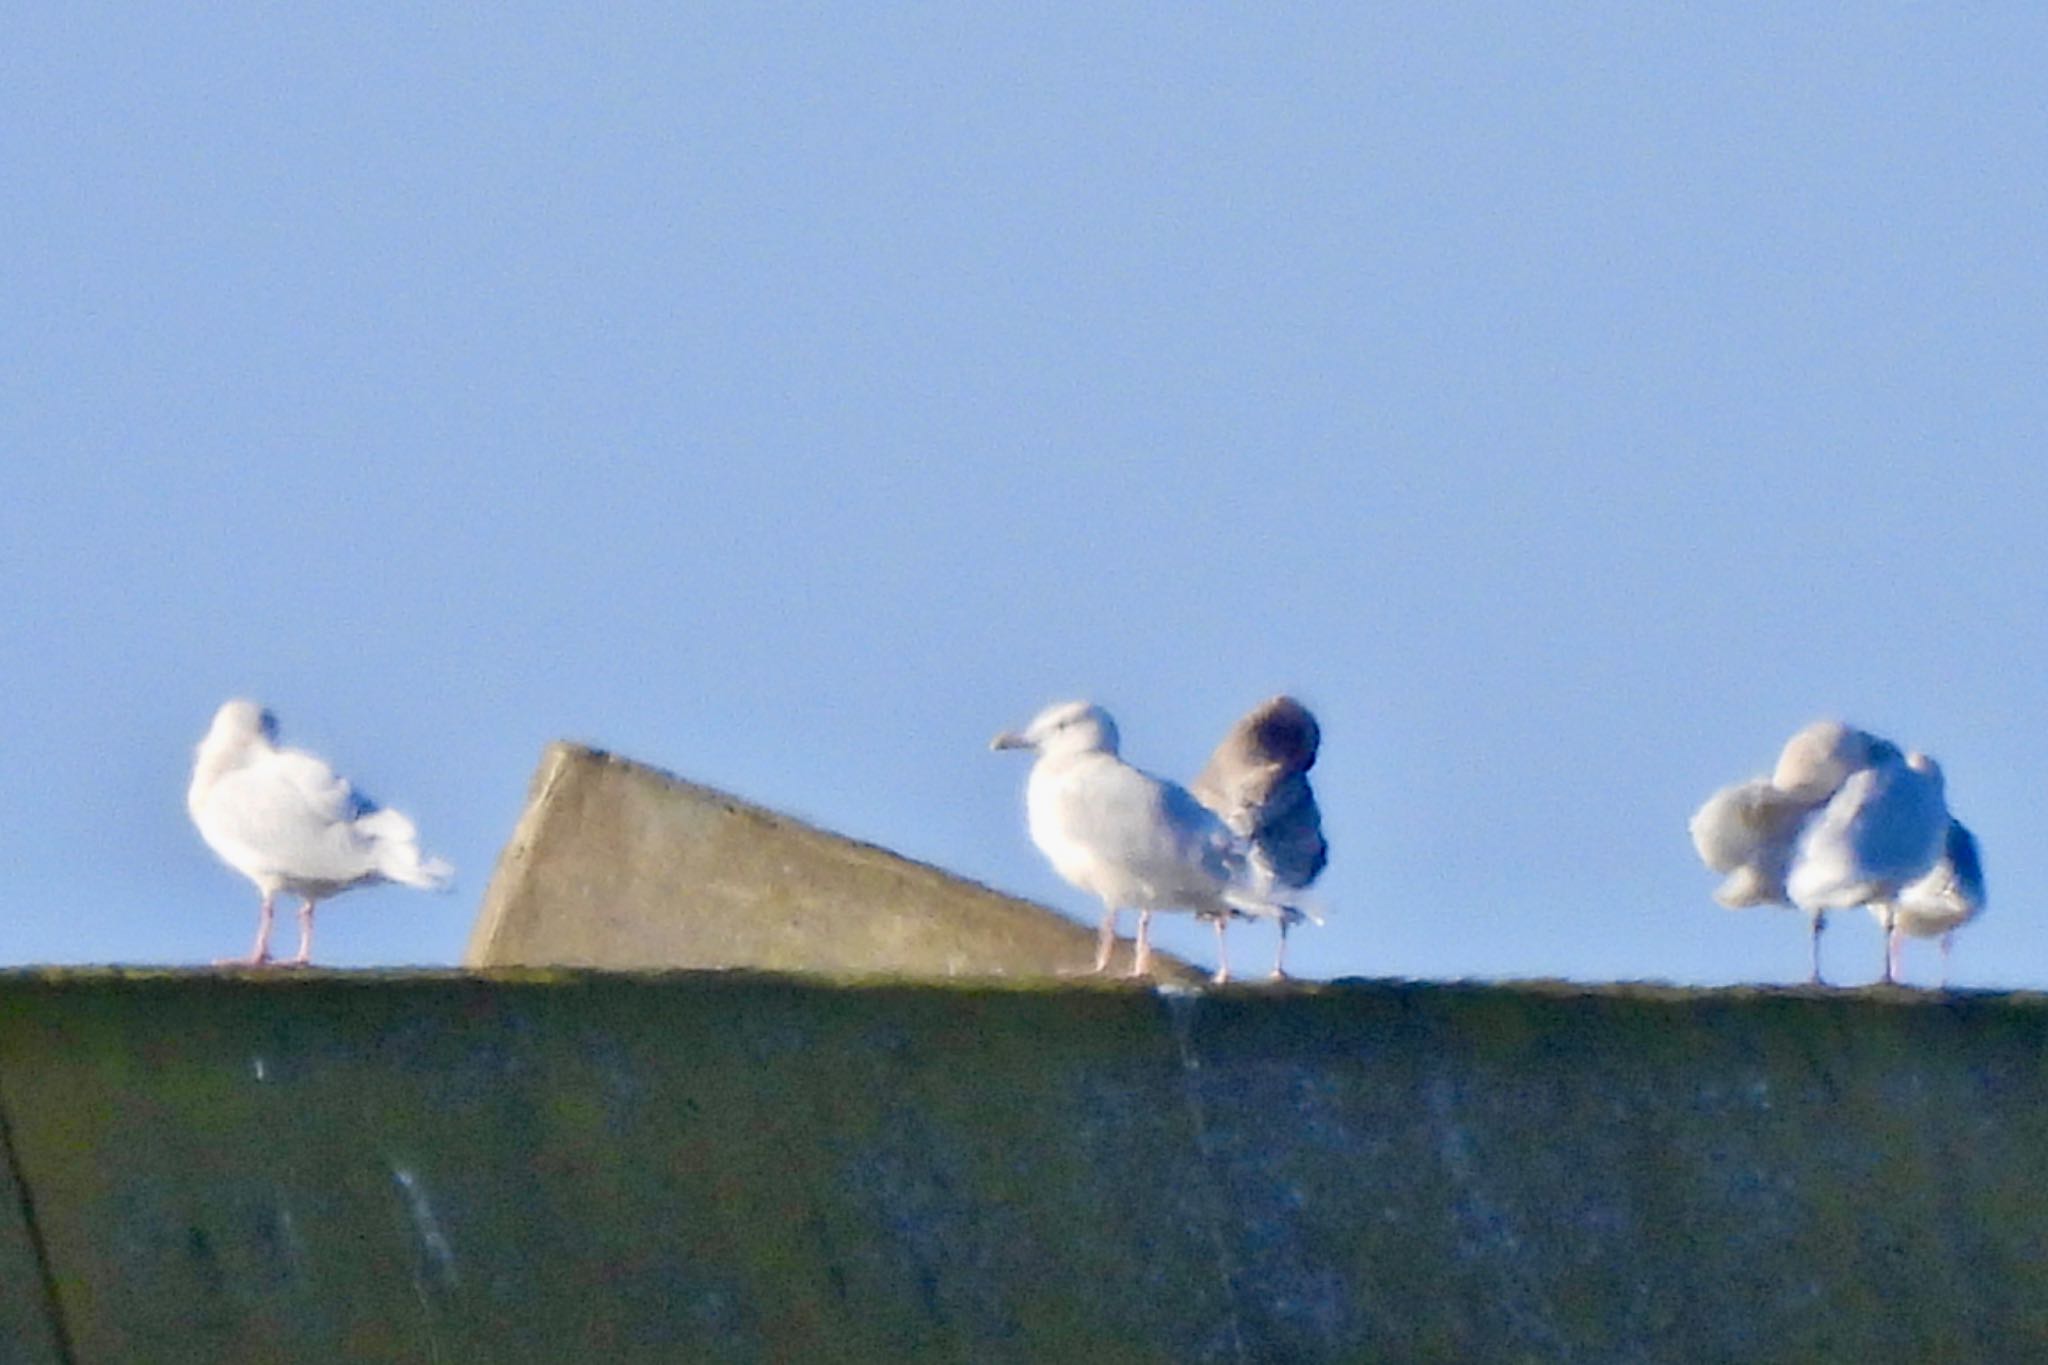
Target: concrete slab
(729, 1166)
(28, 1332)
(618, 865)
(716, 1166)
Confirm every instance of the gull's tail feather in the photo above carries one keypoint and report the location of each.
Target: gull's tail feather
(1264, 895)
(399, 859)
(1748, 886)
(1266, 899)
(431, 873)
(1300, 906)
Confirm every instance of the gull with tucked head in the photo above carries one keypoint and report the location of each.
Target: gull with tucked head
(1751, 832)
(1129, 838)
(283, 819)
(1943, 901)
(1257, 783)
(1815, 763)
(1883, 830)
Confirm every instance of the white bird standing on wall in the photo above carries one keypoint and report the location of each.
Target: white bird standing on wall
(1938, 904)
(1882, 831)
(1133, 840)
(283, 819)
(1749, 832)
(1257, 783)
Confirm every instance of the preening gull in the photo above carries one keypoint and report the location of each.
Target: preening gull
(1815, 763)
(1120, 834)
(1749, 832)
(1938, 904)
(1746, 832)
(1257, 783)
(1882, 831)
(283, 819)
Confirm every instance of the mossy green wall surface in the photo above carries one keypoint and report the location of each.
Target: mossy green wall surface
(28, 1328)
(440, 1167)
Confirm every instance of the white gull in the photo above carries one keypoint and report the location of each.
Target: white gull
(1131, 839)
(1749, 831)
(1938, 904)
(283, 819)
(1883, 830)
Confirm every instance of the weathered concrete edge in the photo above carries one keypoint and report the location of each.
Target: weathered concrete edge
(490, 916)
(1549, 988)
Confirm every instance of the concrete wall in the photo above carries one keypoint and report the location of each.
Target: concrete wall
(29, 1327)
(559, 1167)
(618, 865)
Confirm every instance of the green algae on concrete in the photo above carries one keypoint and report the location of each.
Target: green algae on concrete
(28, 1329)
(615, 864)
(712, 1167)
(556, 1165)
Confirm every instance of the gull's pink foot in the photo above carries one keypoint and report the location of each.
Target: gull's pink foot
(1141, 952)
(259, 955)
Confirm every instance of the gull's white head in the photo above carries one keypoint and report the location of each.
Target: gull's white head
(1071, 727)
(1926, 767)
(240, 722)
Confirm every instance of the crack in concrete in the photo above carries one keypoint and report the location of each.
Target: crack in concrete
(53, 1310)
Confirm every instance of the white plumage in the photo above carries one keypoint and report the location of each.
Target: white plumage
(1815, 763)
(283, 819)
(1132, 840)
(1882, 829)
(1843, 820)
(1746, 832)
(1938, 904)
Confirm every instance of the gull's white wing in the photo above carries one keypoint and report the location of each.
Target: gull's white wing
(1950, 895)
(1747, 832)
(1131, 838)
(286, 815)
(1884, 828)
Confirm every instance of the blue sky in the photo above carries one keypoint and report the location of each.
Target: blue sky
(1567, 402)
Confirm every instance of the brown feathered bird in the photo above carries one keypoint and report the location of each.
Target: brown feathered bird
(1257, 781)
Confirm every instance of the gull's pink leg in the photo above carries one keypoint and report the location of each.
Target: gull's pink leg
(305, 933)
(1141, 958)
(1105, 939)
(1891, 946)
(260, 954)
(1222, 952)
(1813, 977)
(1280, 958)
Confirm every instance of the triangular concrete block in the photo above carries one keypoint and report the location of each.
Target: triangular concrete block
(619, 865)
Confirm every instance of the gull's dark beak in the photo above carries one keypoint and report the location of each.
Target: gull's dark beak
(1009, 739)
